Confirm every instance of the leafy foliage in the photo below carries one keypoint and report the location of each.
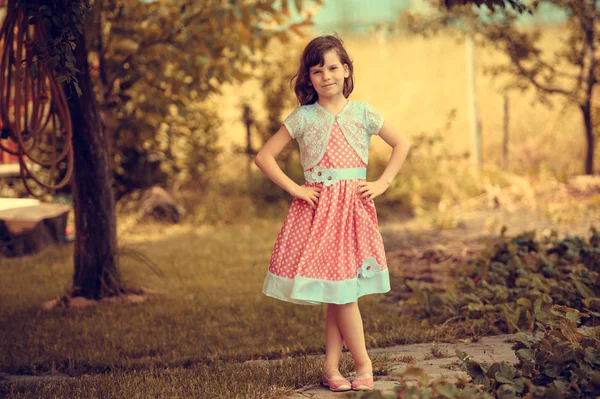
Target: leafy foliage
(491, 4)
(563, 363)
(566, 359)
(151, 57)
(278, 67)
(513, 283)
(63, 21)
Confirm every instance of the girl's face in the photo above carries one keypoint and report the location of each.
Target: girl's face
(328, 79)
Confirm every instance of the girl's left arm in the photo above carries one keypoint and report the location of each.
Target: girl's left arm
(400, 147)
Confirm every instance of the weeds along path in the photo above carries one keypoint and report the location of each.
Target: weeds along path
(417, 250)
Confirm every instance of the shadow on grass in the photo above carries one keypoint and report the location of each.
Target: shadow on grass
(211, 310)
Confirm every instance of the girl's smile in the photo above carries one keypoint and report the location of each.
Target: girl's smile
(328, 79)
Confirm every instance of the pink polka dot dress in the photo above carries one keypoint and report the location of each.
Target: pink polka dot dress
(334, 253)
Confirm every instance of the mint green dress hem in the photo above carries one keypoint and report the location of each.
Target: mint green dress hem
(308, 291)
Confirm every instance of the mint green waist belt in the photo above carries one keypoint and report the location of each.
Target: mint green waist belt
(332, 175)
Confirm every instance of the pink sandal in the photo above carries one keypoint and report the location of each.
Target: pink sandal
(337, 385)
(365, 384)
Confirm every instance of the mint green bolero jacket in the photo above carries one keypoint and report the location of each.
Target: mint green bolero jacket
(311, 126)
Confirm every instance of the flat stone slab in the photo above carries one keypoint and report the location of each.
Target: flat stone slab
(11, 203)
(31, 379)
(26, 230)
(10, 170)
(488, 349)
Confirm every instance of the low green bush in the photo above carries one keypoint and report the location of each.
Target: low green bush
(563, 363)
(511, 285)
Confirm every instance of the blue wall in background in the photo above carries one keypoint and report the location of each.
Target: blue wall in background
(357, 16)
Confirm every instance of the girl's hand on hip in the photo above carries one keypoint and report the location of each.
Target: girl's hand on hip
(369, 190)
(309, 194)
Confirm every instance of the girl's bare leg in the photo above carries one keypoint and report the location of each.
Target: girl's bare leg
(333, 344)
(351, 327)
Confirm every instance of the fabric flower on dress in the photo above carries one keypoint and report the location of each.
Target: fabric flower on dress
(369, 267)
(323, 175)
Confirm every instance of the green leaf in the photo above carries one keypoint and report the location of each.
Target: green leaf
(57, 21)
(474, 369)
(72, 68)
(560, 384)
(77, 89)
(52, 62)
(573, 317)
(503, 380)
(46, 10)
(519, 385)
(202, 59)
(525, 354)
(47, 24)
(583, 289)
(40, 46)
(507, 371)
(474, 307)
(447, 391)
(537, 306)
(524, 302)
(494, 368)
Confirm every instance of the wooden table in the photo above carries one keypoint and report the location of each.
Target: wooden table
(28, 229)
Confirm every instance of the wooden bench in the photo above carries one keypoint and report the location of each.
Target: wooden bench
(13, 169)
(27, 228)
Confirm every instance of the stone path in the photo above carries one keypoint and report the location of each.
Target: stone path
(489, 349)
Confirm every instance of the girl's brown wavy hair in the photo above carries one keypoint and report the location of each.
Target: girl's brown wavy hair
(313, 55)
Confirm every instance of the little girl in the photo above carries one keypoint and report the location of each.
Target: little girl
(329, 249)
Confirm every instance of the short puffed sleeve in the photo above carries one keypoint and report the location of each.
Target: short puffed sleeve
(295, 123)
(373, 120)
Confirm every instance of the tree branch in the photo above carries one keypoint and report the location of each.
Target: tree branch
(530, 76)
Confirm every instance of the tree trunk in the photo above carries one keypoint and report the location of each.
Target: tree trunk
(474, 123)
(589, 138)
(96, 267)
(589, 27)
(505, 133)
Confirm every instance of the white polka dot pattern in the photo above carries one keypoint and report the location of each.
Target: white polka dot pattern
(332, 241)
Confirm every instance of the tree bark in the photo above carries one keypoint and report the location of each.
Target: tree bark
(474, 123)
(505, 133)
(589, 137)
(96, 267)
(589, 26)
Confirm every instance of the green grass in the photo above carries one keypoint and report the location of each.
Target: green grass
(220, 380)
(199, 381)
(210, 316)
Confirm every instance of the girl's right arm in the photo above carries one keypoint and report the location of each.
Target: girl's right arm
(265, 160)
